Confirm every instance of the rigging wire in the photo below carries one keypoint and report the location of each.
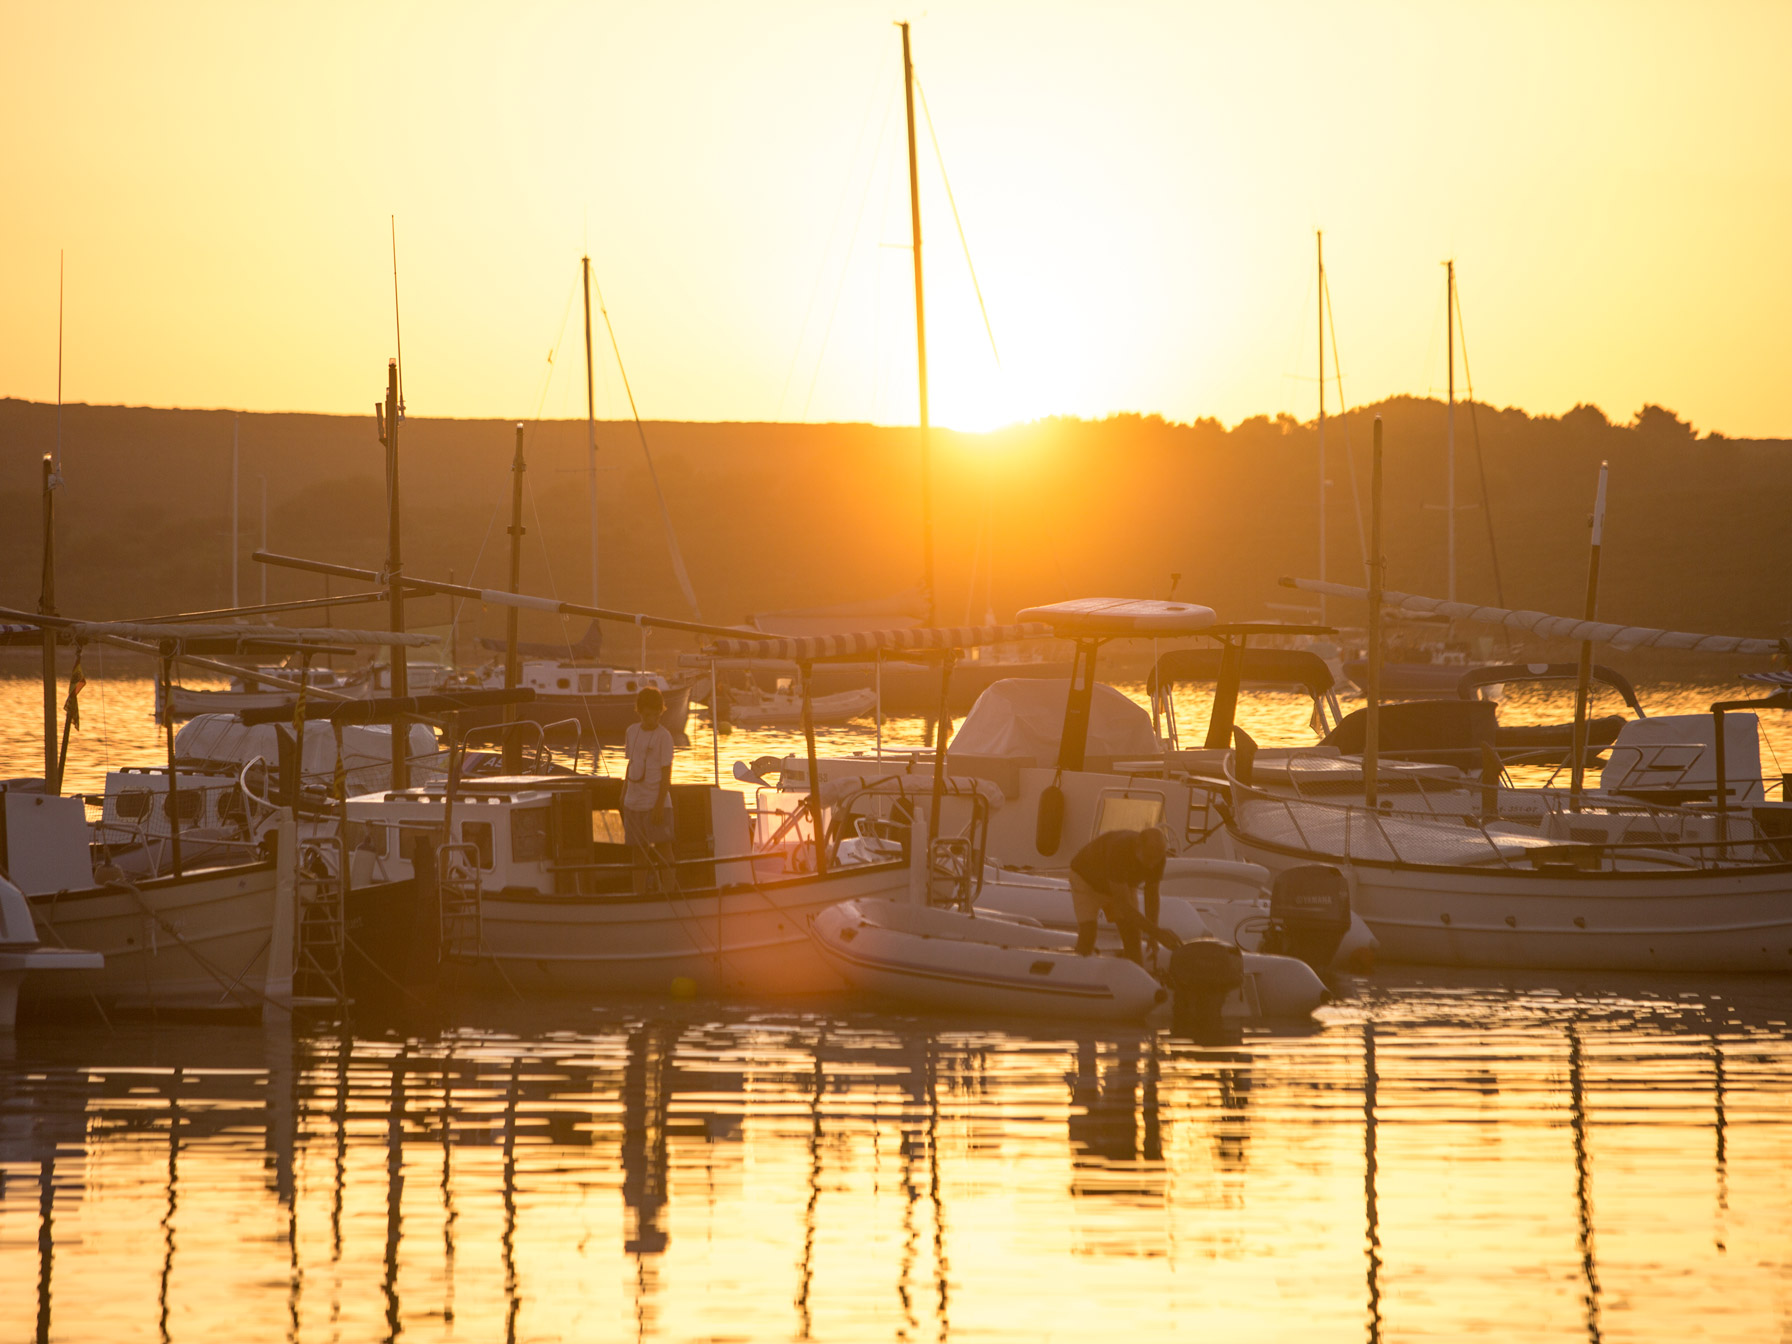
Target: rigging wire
(397, 325)
(851, 246)
(834, 227)
(1356, 495)
(962, 242)
(1499, 589)
(678, 569)
(498, 502)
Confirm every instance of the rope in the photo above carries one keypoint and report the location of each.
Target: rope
(941, 159)
(834, 229)
(228, 986)
(684, 579)
(1499, 588)
(1356, 496)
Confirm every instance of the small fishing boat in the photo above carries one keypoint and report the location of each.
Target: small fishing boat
(784, 709)
(215, 934)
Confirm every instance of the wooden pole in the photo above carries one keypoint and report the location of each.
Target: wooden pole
(914, 212)
(1450, 422)
(1583, 681)
(944, 729)
(513, 662)
(1319, 241)
(236, 444)
(590, 426)
(173, 799)
(401, 738)
(264, 538)
(1377, 577)
(46, 606)
(821, 853)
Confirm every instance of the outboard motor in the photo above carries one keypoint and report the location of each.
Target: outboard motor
(1202, 972)
(1309, 914)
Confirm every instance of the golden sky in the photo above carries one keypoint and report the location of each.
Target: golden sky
(1139, 185)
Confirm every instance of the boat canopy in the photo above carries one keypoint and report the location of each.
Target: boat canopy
(1258, 667)
(1119, 617)
(1500, 674)
(818, 647)
(1551, 627)
(1024, 717)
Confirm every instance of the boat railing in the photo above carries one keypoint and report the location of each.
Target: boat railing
(1464, 839)
(460, 899)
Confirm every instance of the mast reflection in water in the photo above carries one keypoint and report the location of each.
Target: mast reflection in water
(1423, 1162)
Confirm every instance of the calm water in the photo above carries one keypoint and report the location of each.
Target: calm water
(117, 728)
(1430, 1161)
(1439, 1155)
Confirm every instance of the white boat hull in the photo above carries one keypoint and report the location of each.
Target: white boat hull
(200, 941)
(1035, 973)
(1730, 921)
(747, 940)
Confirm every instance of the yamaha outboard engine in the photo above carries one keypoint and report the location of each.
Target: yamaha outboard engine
(1309, 914)
(1202, 972)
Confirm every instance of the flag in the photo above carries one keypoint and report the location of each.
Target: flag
(72, 706)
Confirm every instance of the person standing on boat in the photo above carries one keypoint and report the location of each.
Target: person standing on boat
(647, 793)
(1104, 876)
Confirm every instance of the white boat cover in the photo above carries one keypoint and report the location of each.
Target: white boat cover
(1118, 617)
(366, 748)
(1353, 833)
(1024, 717)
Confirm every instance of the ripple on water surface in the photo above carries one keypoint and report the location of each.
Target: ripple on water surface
(1439, 1156)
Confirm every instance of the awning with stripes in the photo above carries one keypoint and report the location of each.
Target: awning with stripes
(871, 642)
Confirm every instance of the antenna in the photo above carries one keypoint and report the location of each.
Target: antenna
(397, 325)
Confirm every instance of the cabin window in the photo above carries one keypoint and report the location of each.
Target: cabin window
(1130, 814)
(187, 803)
(529, 835)
(584, 683)
(370, 836)
(606, 828)
(407, 838)
(564, 684)
(478, 834)
(629, 687)
(133, 804)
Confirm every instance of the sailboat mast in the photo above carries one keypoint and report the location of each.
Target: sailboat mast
(1319, 240)
(1450, 421)
(914, 210)
(590, 426)
(388, 419)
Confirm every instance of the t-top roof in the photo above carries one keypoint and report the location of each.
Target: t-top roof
(1117, 617)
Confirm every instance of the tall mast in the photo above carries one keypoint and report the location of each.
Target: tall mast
(46, 597)
(914, 212)
(395, 575)
(235, 532)
(46, 606)
(1583, 673)
(513, 663)
(590, 426)
(1319, 240)
(1450, 422)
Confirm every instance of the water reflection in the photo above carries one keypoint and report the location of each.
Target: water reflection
(1439, 1158)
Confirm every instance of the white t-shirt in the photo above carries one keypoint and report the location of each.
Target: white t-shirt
(649, 761)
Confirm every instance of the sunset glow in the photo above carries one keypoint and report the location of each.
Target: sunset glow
(1138, 187)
